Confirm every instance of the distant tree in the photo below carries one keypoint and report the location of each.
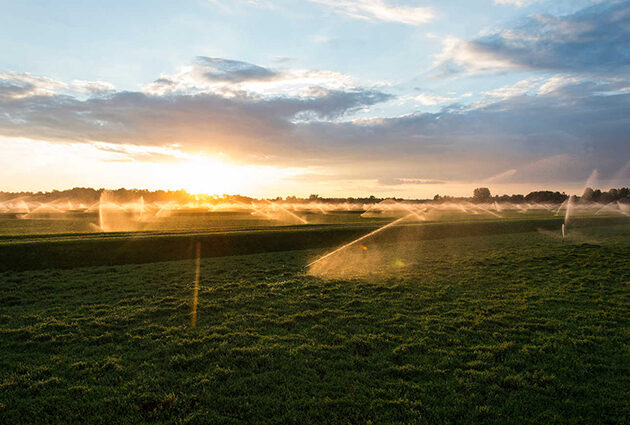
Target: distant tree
(481, 194)
(313, 197)
(588, 194)
(546, 196)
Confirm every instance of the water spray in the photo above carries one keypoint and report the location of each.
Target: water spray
(288, 212)
(380, 229)
(414, 212)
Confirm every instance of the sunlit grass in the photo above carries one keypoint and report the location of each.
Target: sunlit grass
(515, 328)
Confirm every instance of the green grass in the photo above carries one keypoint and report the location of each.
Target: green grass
(50, 224)
(86, 223)
(506, 328)
(29, 252)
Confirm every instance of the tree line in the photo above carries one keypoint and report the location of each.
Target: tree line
(480, 195)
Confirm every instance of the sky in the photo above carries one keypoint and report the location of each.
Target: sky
(334, 97)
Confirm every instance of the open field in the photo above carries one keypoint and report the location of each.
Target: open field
(494, 325)
(79, 223)
(45, 219)
(28, 252)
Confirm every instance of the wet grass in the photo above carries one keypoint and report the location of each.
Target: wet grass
(32, 252)
(511, 328)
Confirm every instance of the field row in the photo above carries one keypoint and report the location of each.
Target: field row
(30, 254)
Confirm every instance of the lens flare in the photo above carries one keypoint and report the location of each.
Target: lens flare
(193, 317)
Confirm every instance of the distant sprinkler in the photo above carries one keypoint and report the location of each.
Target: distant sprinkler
(562, 232)
(380, 229)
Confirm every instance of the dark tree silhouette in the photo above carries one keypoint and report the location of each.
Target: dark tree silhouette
(481, 194)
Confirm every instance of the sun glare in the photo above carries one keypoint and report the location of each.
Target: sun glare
(206, 175)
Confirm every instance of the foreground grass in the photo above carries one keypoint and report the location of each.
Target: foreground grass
(513, 328)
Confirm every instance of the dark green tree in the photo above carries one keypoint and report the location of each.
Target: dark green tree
(481, 194)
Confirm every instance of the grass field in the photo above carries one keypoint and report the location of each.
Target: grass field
(77, 223)
(187, 221)
(499, 328)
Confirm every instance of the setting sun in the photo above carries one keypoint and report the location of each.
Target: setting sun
(205, 175)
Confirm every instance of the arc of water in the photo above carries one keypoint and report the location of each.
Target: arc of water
(380, 229)
(487, 210)
(623, 209)
(562, 205)
(288, 212)
(568, 211)
(613, 206)
(414, 212)
(461, 207)
(256, 210)
(141, 208)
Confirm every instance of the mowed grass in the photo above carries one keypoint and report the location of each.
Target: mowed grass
(515, 328)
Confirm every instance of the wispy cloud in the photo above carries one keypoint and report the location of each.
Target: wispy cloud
(520, 88)
(431, 100)
(517, 3)
(226, 4)
(593, 40)
(377, 10)
(226, 70)
(17, 85)
(234, 78)
(396, 181)
(459, 56)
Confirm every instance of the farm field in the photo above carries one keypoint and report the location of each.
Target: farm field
(88, 223)
(357, 212)
(504, 327)
(127, 218)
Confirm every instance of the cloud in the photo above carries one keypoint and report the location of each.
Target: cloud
(227, 77)
(568, 117)
(377, 10)
(576, 120)
(16, 85)
(225, 70)
(241, 123)
(93, 87)
(517, 3)
(460, 56)
(432, 100)
(229, 5)
(520, 88)
(407, 181)
(593, 40)
(282, 59)
(367, 10)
